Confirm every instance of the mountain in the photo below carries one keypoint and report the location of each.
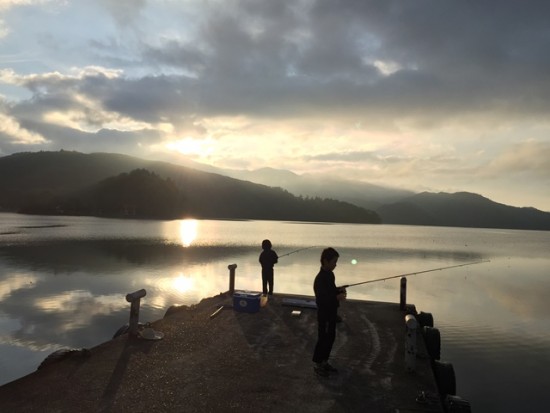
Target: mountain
(360, 193)
(105, 184)
(205, 191)
(461, 209)
(400, 206)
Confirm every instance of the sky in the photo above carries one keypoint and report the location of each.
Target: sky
(425, 95)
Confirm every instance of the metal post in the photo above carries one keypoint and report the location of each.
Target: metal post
(232, 268)
(410, 343)
(134, 298)
(403, 294)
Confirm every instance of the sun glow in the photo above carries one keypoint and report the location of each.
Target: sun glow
(191, 146)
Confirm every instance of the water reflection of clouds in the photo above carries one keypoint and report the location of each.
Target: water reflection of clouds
(77, 301)
(519, 288)
(54, 319)
(16, 281)
(510, 294)
(44, 315)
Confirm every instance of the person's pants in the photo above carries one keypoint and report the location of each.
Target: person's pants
(325, 338)
(267, 282)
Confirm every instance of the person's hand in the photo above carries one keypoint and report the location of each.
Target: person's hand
(342, 295)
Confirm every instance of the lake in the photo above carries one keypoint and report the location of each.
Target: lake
(63, 282)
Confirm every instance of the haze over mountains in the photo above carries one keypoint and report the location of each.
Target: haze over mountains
(400, 206)
(262, 194)
(363, 194)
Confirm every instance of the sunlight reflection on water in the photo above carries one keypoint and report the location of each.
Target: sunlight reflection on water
(188, 231)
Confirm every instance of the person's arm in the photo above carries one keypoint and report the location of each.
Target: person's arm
(325, 291)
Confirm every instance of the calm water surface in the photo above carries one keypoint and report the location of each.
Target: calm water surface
(63, 282)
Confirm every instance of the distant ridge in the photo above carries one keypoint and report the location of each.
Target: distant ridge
(461, 209)
(288, 196)
(400, 206)
(104, 184)
(360, 193)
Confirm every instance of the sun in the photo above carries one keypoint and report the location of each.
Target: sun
(190, 146)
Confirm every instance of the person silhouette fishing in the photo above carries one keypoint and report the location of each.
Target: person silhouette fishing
(327, 298)
(268, 258)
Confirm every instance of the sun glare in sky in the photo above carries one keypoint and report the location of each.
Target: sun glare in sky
(191, 146)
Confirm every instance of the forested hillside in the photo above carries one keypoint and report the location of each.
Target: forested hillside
(121, 186)
(462, 209)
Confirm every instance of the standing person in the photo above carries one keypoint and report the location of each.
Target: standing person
(327, 297)
(268, 258)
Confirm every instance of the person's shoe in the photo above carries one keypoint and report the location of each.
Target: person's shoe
(320, 370)
(328, 368)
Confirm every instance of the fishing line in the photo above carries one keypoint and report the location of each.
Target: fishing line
(415, 273)
(301, 249)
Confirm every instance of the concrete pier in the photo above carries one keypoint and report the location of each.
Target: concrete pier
(212, 360)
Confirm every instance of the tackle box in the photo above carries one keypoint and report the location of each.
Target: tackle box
(246, 301)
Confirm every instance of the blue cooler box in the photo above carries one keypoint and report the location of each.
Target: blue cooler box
(246, 301)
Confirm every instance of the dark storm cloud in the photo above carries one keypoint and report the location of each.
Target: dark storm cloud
(149, 98)
(448, 57)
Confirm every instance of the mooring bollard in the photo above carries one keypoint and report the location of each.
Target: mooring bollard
(410, 343)
(403, 294)
(232, 268)
(134, 298)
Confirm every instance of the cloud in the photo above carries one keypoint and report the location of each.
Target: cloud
(308, 59)
(8, 4)
(75, 101)
(4, 30)
(125, 12)
(358, 156)
(529, 157)
(12, 132)
(431, 62)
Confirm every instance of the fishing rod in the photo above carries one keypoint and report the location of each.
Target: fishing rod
(301, 249)
(415, 273)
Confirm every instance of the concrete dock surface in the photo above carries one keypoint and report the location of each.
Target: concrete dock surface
(239, 362)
